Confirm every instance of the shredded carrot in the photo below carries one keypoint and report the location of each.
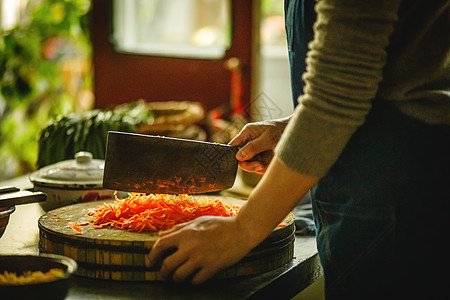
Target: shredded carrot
(75, 226)
(154, 212)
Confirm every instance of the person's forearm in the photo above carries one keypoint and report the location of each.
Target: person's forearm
(272, 199)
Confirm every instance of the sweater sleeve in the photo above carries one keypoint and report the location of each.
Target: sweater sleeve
(344, 68)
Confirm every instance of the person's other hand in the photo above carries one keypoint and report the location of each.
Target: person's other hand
(255, 138)
(196, 250)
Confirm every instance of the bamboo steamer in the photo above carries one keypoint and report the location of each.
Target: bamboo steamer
(114, 254)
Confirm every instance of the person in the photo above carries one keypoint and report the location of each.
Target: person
(370, 137)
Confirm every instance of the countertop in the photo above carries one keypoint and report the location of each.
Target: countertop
(22, 236)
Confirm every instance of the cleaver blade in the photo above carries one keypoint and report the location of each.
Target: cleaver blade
(145, 163)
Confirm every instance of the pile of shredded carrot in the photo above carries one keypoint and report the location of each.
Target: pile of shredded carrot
(154, 212)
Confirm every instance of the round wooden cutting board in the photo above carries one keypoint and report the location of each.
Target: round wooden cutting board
(110, 253)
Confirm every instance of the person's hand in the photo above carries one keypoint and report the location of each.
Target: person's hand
(255, 138)
(196, 250)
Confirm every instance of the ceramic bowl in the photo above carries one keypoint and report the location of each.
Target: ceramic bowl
(5, 212)
(54, 289)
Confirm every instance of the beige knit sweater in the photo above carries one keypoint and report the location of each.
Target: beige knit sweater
(366, 51)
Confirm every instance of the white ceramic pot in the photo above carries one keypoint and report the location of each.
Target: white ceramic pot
(71, 181)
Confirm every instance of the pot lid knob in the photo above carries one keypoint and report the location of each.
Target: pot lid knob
(83, 157)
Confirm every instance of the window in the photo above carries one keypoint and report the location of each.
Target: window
(175, 28)
(275, 82)
(272, 24)
(10, 13)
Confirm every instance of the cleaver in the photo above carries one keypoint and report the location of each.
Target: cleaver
(154, 164)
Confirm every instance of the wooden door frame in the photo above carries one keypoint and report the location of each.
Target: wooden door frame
(120, 77)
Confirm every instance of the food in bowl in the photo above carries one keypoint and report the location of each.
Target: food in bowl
(27, 277)
(32, 266)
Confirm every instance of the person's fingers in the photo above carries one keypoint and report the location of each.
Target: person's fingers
(250, 132)
(241, 138)
(253, 166)
(161, 249)
(173, 229)
(171, 263)
(203, 275)
(238, 140)
(185, 271)
(249, 150)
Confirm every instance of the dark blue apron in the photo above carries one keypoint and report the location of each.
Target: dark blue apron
(299, 20)
(381, 212)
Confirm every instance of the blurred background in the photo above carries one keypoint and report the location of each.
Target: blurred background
(70, 70)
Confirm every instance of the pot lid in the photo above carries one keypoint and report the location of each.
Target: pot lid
(81, 172)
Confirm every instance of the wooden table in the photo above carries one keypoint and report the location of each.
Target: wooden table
(22, 236)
